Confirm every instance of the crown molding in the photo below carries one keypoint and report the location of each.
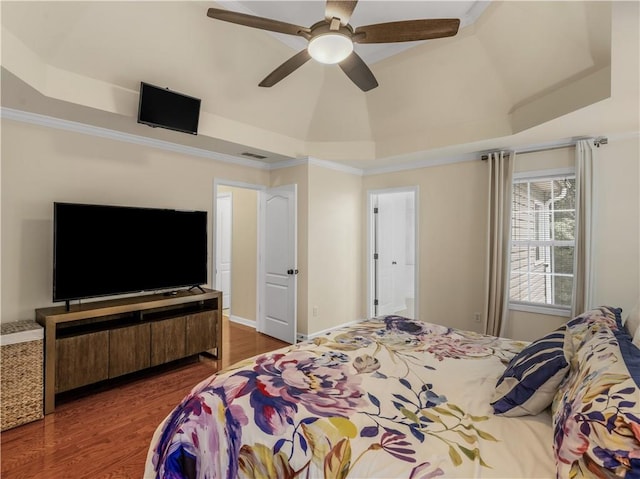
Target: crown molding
(623, 136)
(407, 164)
(426, 163)
(288, 163)
(330, 165)
(76, 127)
(83, 128)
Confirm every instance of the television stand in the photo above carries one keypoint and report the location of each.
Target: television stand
(196, 286)
(98, 341)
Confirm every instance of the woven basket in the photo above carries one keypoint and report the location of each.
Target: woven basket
(21, 383)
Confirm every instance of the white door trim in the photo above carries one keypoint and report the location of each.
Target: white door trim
(370, 244)
(218, 238)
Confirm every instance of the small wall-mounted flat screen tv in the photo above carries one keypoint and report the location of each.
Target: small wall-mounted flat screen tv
(102, 250)
(161, 107)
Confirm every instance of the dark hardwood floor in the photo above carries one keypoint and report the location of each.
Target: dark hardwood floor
(106, 434)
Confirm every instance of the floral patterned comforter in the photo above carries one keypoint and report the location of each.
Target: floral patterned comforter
(386, 398)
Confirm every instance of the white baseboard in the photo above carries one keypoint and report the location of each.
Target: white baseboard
(243, 321)
(306, 337)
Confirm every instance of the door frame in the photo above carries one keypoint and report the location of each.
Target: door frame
(371, 194)
(217, 245)
(260, 240)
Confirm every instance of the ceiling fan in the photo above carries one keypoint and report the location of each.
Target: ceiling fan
(331, 40)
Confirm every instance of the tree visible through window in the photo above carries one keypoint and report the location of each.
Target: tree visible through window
(542, 241)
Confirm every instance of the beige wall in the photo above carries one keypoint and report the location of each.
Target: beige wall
(617, 240)
(329, 238)
(244, 252)
(452, 239)
(335, 244)
(529, 163)
(42, 165)
(452, 242)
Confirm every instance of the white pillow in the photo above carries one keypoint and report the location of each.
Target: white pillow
(632, 322)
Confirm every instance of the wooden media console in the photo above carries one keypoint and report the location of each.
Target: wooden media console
(102, 340)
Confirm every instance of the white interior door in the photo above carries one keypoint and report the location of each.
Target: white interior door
(278, 313)
(393, 253)
(278, 305)
(390, 254)
(223, 247)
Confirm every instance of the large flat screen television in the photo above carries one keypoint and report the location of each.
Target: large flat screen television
(102, 250)
(161, 107)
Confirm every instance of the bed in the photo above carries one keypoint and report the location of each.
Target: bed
(393, 397)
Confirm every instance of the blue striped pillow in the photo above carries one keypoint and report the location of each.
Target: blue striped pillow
(532, 377)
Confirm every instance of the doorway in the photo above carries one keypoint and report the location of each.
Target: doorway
(392, 252)
(257, 243)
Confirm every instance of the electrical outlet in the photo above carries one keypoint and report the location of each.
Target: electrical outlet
(476, 317)
(315, 311)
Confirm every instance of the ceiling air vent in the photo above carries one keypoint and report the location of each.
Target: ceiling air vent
(253, 155)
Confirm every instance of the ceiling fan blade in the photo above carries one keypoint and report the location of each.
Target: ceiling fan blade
(256, 22)
(291, 65)
(358, 71)
(342, 9)
(407, 31)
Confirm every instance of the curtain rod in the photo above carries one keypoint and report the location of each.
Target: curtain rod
(602, 140)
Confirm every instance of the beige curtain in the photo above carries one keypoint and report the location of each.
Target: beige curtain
(498, 241)
(583, 257)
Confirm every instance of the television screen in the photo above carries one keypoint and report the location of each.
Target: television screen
(103, 250)
(168, 109)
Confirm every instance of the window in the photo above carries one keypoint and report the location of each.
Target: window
(542, 241)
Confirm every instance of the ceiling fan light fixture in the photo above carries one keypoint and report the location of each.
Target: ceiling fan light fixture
(331, 39)
(330, 48)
